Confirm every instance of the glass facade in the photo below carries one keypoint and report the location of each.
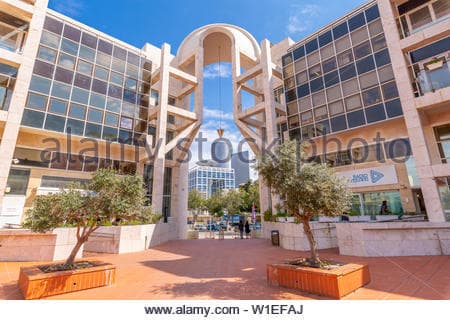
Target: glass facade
(340, 79)
(442, 134)
(88, 86)
(209, 180)
(370, 203)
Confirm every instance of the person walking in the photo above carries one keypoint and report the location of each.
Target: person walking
(247, 230)
(241, 228)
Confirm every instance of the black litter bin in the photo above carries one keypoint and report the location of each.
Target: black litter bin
(275, 237)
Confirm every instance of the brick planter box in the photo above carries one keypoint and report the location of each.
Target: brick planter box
(36, 284)
(335, 283)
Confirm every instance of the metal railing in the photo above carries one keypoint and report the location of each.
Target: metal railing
(431, 76)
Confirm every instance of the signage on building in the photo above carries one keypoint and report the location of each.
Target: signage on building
(370, 177)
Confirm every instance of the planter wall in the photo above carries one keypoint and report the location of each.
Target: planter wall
(359, 218)
(36, 284)
(387, 217)
(329, 219)
(393, 239)
(24, 245)
(292, 236)
(335, 283)
(124, 239)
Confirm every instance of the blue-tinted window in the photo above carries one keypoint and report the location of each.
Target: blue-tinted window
(42, 68)
(55, 123)
(125, 137)
(95, 115)
(356, 21)
(347, 72)
(110, 134)
(375, 113)
(372, 13)
(290, 95)
(382, 58)
(57, 106)
(82, 81)
(75, 127)
(115, 92)
(394, 108)
(72, 33)
(325, 38)
(89, 40)
(33, 118)
(40, 84)
(79, 95)
(53, 25)
(311, 46)
(97, 101)
(69, 47)
(356, 119)
(338, 123)
(340, 30)
(63, 75)
(77, 111)
(317, 84)
(303, 90)
(299, 52)
(431, 50)
(36, 101)
(93, 131)
(120, 53)
(99, 86)
(105, 47)
(365, 65)
(331, 79)
(61, 90)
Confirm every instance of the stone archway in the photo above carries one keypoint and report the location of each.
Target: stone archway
(180, 76)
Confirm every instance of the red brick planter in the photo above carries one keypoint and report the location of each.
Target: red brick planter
(36, 284)
(335, 283)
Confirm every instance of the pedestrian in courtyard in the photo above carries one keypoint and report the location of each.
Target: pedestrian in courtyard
(241, 228)
(247, 230)
(384, 208)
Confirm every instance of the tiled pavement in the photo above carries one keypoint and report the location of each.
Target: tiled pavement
(236, 269)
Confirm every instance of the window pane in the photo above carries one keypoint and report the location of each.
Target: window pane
(87, 53)
(343, 44)
(55, 123)
(84, 67)
(75, 162)
(390, 91)
(82, 81)
(66, 61)
(36, 101)
(336, 107)
(93, 131)
(110, 134)
(293, 121)
(340, 30)
(356, 21)
(126, 123)
(75, 127)
(31, 157)
(315, 72)
(320, 113)
(43, 69)
(99, 86)
(101, 73)
(365, 65)
(394, 108)
(359, 36)
(353, 102)
(375, 113)
(116, 78)
(69, 47)
(441, 8)
(95, 116)
(57, 106)
(382, 58)
(113, 105)
(313, 58)
(64, 75)
(368, 80)
(306, 117)
(319, 98)
(53, 25)
(61, 90)
(379, 42)
(420, 17)
(33, 118)
(345, 58)
(77, 111)
(111, 119)
(327, 52)
(40, 84)
(103, 59)
(97, 100)
(47, 54)
(338, 123)
(362, 50)
(386, 74)
(356, 119)
(79, 95)
(350, 87)
(334, 93)
(105, 47)
(371, 96)
(292, 108)
(18, 181)
(50, 39)
(302, 77)
(305, 104)
(331, 78)
(89, 40)
(375, 28)
(329, 65)
(398, 148)
(72, 33)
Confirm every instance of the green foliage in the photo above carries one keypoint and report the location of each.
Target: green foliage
(250, 195)
(107, 199)
(308, 189)
(215, 204)
(233, 201)
(195, 200)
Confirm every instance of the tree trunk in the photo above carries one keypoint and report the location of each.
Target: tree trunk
(74, 252)
(312, 243)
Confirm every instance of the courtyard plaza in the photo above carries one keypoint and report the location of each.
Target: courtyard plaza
(236, 269)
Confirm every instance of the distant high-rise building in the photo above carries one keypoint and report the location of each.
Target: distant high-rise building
(208, 178)
(240, 164)
(220, 153)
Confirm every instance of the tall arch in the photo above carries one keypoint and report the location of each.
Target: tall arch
(179, 76)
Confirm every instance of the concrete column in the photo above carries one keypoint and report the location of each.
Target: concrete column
(236, 72)
(161, 129)
(416, 133)
(180, 199)
(270, 135)
(19, 96)
(198, 95)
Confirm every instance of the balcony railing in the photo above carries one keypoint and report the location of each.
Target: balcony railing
(12, 33)
(431, 75)
(423, 17)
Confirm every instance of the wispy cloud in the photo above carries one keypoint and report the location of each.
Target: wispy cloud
(301, 18)
(71, 8)
(216, 114)
(215, 70)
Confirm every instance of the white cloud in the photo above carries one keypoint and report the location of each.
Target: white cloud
(216, 114)
(214, 71)
(70, 7)
(301, 18)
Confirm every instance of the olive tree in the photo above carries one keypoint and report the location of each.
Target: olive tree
(106, 199)
(307, 189)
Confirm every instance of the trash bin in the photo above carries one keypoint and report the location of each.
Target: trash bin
(275, 237)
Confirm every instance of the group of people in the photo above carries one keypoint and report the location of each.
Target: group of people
(244, 227)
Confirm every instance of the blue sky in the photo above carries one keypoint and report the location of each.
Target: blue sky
(139, 21)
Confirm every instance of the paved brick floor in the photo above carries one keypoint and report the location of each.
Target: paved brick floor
(235, 269)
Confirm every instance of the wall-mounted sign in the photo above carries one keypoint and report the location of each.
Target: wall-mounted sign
(370, 177)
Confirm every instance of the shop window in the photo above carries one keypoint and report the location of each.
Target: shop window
(17, 182)
(32, 157)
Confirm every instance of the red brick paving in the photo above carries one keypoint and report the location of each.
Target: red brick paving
(236, 269)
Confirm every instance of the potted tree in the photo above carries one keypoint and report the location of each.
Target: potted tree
(309, 189)
(106, 199)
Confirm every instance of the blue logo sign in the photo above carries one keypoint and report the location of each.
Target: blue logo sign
(375, 176)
